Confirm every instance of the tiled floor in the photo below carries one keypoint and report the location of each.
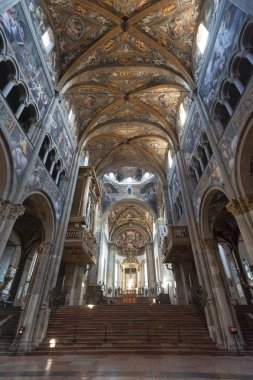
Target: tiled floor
(126, 367)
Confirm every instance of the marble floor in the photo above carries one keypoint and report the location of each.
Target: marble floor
(126, 367)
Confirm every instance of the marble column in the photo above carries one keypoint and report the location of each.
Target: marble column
(211, 309)
(9, 213)
(225, 310)
(79, 285)
(111, 267)
(151, 266)
(29, 315)
(85, 196)
(180, 281)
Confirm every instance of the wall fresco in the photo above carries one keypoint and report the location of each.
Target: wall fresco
(174, 186)
(61, 140)
(21, 149)
(41, 180)
(17, 32)
(210, 177)
(209, 20)
(41, 24)
(130, 239)
(192, 136)
(223, 48)
(227, 148)
(109, 195)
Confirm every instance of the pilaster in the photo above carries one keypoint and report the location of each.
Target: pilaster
(9, 213)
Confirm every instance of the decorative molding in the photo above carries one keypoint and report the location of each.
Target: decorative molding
(9, 210)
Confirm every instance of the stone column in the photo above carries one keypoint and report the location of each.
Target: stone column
(225, 310)
(9, 213)
(151, 265)
(78, 287)
(111, 267)
(85, 196)
(180, 289)
(29, 315)
(211, 309)
(93, 273)
(56, 256)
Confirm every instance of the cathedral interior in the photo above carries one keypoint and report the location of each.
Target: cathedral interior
(126, 162)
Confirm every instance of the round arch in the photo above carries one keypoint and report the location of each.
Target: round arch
(6, 169)
(38, 204)
(129, 202)
(243, 167)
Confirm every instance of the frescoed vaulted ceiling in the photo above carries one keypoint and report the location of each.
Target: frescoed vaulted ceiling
(125, 67)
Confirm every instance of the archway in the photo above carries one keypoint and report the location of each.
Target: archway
(220, 230)
(6, 170)
(20, 258)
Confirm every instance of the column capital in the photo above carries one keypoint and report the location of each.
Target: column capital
(9, 210)
(208, 243)
(247, 202)
(45, 247)
(237, 206)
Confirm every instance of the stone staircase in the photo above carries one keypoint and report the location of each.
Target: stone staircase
(170, 329)
(9, 317)
(246, 325)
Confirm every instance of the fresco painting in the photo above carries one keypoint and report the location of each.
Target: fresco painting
(41, 180)
(227, 148)
(192, 136)
(209, 20)
(174, 185)
(130, 239)
(223, 47)
(17, 31)
(211, 177)
(61, 140)
(109, 195)
(41, 25)
(21, 149)
(7, 122)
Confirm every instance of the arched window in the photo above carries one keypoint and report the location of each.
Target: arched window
(16, 97)
(56, 170)
(27, 117)
(62, 176)
(202, 157)
(242, 69)
(182, 114)
(231, 93)
(50, 161)
(170, 159)
(48, 40)
(206, 145)
(221, 113)
(202, 37)
(45, 147)
(1, 44)
(7, 73)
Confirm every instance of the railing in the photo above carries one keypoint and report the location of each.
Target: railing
(85, 239)
(84, 235)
